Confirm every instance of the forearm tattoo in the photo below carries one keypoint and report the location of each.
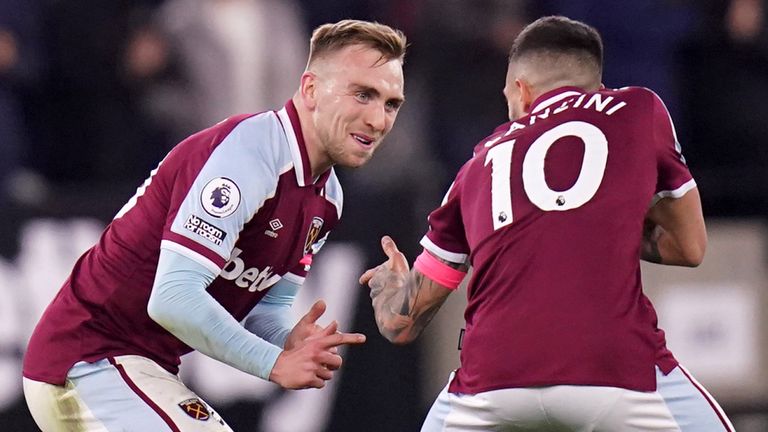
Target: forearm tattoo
(399, 314)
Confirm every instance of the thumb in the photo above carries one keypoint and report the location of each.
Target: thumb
(396, 258)
(389, 246)
(317, 309)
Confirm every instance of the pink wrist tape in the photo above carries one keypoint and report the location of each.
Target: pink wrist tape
(438, 271)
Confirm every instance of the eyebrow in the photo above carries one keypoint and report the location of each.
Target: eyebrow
(376, 93)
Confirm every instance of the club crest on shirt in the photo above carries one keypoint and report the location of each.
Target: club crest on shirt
(196, 409)
(313, 233)
(220, 197)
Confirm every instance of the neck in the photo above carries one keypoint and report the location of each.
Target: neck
(318, 159)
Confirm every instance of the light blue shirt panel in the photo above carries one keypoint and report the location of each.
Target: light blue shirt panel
(333, 192)
(271, 318)
(251, 157)
(180, 303)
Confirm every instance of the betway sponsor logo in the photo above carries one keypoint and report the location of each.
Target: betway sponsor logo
(251, 278)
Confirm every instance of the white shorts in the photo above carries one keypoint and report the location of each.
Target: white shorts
(679, 404)
(126, 393)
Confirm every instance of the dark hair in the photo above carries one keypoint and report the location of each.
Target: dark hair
(332, 37)
(558, 34)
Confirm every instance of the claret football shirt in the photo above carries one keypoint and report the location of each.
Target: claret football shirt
(549, 213)
(238, 198)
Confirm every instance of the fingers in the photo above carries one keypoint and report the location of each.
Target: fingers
(325, 374)
(366, 277)
(317, 383)
(328, 330)
(317, 310)
(395, 261)
(312, 364)
(331, 328)
(322, 375)
(329, 341)
(330, 361)
(325, 364)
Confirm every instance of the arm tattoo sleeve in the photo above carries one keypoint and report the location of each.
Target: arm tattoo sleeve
(404, 304)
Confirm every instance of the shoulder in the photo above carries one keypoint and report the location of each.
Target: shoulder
(636, 94)
(259, 135)
(250, 150)
(255, 144)
(651, 102)
(497, 134)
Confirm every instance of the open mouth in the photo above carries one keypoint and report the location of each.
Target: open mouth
(363, 139)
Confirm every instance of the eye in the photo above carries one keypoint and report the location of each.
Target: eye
(393, 106)
(363, 96)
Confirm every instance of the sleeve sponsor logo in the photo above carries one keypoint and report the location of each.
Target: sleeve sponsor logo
(220, 197)
(205, 230)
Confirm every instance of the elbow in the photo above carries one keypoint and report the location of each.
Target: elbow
(398, 335)
(400, 339)
(156, 311)
(693, 259)
(693, 256)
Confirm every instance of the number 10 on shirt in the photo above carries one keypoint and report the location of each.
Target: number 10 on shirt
(534, 182)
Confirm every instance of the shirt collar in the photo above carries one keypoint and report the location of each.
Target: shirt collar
(554, 96)
(289, 119)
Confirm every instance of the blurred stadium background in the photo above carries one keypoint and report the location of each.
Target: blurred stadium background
(93, 93)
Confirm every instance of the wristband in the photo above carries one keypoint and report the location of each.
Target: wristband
(438, 271)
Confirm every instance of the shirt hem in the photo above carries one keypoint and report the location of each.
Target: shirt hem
(666, 366)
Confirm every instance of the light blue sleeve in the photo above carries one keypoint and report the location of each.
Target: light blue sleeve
(180, 303)
(232, 185)
(271, 317)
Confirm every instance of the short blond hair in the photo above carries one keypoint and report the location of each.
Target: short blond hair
(329, 38)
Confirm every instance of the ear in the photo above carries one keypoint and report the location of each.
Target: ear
(308, 89)
(526, 94)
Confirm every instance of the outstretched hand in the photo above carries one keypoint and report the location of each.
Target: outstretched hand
(311, 352)
(390, 273)
(389, 297)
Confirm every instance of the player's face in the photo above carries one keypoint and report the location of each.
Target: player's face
(357, 97)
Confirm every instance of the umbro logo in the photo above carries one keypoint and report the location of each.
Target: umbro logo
(275, 225)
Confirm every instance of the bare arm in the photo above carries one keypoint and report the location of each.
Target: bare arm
(674, 232)
(404, 301)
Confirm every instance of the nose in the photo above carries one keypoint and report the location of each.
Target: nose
(376, 118)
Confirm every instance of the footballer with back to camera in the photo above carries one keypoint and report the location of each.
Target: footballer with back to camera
(554, 212)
